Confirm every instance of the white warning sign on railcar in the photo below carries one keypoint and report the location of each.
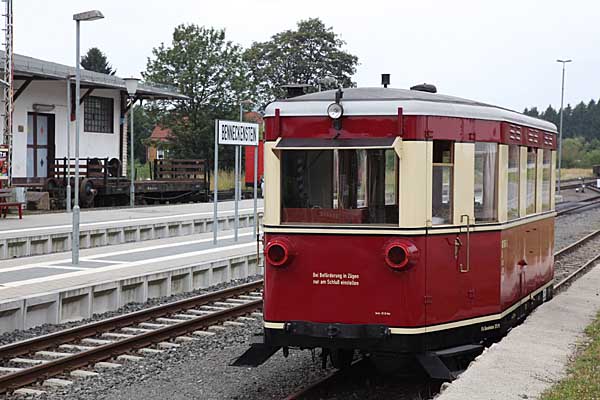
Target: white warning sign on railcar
(237, 133)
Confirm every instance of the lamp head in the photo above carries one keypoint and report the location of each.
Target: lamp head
(88, 16)
(131, 84)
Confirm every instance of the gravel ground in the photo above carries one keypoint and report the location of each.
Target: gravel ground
(364, 382)
(570, 227)
(14, 336)
(564, 266)
(199, 371)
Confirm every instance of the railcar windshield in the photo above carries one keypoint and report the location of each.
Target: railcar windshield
(340, 186)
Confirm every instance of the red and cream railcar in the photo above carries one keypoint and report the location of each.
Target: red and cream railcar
(403, 221)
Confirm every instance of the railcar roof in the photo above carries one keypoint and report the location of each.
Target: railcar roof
(385, 101)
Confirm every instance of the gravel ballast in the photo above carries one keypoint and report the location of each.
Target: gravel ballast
(571, 227)
(199, 370)
(17, 335)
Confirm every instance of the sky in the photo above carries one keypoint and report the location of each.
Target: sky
(500, 52)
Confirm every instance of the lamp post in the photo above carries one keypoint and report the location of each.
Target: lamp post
(84, 16)
(560, 129)
(132, 84)
(69, 143)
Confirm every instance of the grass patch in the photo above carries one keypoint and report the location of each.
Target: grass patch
(226, 180)
(574, 173)
(226, 177)
(583, 380)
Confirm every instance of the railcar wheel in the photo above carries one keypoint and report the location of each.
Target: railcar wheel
(341, 358)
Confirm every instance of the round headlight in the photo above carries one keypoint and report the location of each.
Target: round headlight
(335, 111)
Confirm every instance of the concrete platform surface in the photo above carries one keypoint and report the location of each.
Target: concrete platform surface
(49, 289)
(51, 233)
(91, 216)
(533, 356)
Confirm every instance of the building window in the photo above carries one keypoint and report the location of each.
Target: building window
(485, 182)
(546, 177)
(443, 169)
(531, 179)
(98, 114)
(339, 187)
(514, 166)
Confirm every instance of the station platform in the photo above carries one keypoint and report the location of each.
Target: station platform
(51, 233)
(534, 355)
(49, 289)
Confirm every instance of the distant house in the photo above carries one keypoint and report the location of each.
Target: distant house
(157, 145)
(40, 117)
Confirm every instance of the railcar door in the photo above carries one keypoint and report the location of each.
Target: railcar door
(449, 289)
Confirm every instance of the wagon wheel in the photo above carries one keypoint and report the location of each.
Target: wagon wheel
(87, 192)
(114, 167)
(94, 167)
(50, 185)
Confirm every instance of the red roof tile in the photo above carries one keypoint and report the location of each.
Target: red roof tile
(160, 134)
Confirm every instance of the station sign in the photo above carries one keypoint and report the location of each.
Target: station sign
(237, 133)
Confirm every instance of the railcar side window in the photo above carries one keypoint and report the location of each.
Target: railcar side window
(546, 176)
(531, 179)
(443, 170)
(486, 167)
(514, 162)
(339, 186)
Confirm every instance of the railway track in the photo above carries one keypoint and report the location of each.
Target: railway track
(147, 331)
(591, 202)
(152, 330)
(572, 261)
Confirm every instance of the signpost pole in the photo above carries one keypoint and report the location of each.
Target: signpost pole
(236, 194)
(236, 134)
(216, 184)
(255, 231)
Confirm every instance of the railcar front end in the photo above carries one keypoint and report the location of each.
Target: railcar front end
(403, 222)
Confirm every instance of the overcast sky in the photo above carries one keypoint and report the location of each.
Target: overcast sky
(502, 52)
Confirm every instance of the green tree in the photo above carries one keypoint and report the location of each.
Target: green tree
(95, 60)
(302, 56)
(144, 123)
(207, 68)
(572, 152)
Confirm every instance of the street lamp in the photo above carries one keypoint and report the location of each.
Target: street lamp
(69, 76)
(560, 129)
(84, 16)
(132, 84)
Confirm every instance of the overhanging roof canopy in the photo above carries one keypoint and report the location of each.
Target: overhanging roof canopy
(34, 68)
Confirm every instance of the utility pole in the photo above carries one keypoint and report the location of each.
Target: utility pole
(560, 129)
(8, 85)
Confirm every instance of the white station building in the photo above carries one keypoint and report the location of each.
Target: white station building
(40, 117)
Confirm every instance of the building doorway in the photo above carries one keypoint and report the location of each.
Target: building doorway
(40, 145)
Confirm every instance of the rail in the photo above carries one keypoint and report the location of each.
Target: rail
(45, 370)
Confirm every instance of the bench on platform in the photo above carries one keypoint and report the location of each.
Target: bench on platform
(5, 204)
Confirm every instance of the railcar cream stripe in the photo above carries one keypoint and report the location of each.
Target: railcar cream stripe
(400, 231)
(450, 325)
